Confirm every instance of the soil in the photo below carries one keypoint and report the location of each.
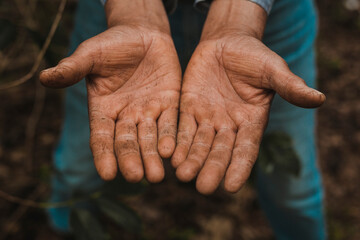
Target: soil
(174, 210)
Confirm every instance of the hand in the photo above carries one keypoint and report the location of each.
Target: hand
(226, 95)
(133, 83)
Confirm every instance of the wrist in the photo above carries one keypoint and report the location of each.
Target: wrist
(139, 13)
(228, 17)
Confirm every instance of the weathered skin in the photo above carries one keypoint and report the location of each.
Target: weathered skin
(133, 83)
(226, 96)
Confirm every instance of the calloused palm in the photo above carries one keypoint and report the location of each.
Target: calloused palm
(133, 83)
(225, 101)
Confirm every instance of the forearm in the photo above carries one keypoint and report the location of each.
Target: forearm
(142, 13)
(229, 16)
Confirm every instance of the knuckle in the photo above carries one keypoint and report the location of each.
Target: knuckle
(126, 147)
(217, 163)
(200, 144)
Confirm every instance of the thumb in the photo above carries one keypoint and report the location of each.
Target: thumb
(293, 88)
(70, 70)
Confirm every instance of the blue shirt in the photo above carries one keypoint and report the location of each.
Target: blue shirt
(203, 4)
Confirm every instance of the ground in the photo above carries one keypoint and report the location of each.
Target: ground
(29, 134)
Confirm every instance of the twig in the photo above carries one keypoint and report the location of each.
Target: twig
(20, 41)
(32, 6)
(32, 123)
(41, 53)
(31, 203)
(19, 212)
(25, 11)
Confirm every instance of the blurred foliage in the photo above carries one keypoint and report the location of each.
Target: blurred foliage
(44, 173)
(85, 216)
(24, 27)
(181, 234)
(277, 154)
(339, 15)
(86, 226)
(120, 214)
(334, 66)
(7, 33)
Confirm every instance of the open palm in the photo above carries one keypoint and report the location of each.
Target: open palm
(133, 82)
(225, 101)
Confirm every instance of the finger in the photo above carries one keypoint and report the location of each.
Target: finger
(167, 124)
(127, 151)
(244, 155)
(70, 70)
(294, 89)
(198, 153)
(215, 166)
(102, 145)
(185, 136)
(154, 169)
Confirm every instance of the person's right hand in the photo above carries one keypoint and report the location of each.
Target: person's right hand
(133, 83)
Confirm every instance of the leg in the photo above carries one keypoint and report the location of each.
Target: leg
(74, 170)
(73, 163)
(294, 205)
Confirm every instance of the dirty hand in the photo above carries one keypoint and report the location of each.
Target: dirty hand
(133, 82)
(226, 95)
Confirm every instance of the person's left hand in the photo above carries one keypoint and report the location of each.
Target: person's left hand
(226, 95)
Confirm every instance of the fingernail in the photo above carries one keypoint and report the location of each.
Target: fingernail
(47, 70)
(320, 93)
(322, 96)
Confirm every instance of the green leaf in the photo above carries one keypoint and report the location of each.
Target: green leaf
(181, 234)
(86, 226)
(120, 214)
(7, 33)
(277, 154)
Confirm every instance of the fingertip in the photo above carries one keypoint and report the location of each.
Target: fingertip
(56, 77)
(108, 175)
(209, 178)
(232, 186)
(315, 99)
(132, 169)
(175, 161)
(44, 76)
(155, 175)
(205, 187)
(186, 172)
(107, 170)
(133, 176)
(322, 98)
(177, 157)
(154, 169)
(295, 90)
(237, 175)
(166, 146)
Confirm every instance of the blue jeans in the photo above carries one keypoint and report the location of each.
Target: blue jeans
(293, 205)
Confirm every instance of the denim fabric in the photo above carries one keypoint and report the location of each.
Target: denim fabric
(292, 204)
